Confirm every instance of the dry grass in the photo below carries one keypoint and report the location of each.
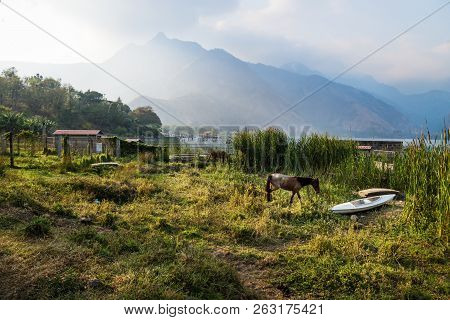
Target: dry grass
(201, 234)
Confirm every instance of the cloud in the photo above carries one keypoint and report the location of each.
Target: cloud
(143, 17)
(331, 35)
(443, 48)
(326, 35)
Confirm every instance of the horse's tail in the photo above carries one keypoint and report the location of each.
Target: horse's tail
(268, 190)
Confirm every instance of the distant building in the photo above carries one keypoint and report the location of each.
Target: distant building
(381, 145)
(364, 148)
(137, 140)
(80, 141)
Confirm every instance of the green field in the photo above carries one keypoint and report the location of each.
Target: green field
(173, 231)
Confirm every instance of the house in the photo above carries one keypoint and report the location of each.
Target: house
(80, 141)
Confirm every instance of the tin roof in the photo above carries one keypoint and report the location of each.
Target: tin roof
(133, 140)
(78, 133)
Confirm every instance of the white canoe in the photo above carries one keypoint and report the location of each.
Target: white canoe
(363, 204)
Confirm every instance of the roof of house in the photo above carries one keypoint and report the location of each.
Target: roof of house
(78, 133)
(133, 140)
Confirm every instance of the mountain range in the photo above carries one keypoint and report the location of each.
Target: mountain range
(212, 87)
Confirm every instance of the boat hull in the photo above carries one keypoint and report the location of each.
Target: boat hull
(361, 205)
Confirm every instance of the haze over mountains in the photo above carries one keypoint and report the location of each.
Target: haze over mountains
(212, 87)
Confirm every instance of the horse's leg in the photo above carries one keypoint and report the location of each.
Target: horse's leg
(292, 197)
(298, 195)
(269, 193)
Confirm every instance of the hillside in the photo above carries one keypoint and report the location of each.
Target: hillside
(70, 108)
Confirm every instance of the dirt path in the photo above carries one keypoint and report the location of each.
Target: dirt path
(255, 275)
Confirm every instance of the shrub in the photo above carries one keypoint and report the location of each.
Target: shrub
(38, 227)
(110, 221)
(129, 246)
(106, 189)
(88, 236)
(62, 211)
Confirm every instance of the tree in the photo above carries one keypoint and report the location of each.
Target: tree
(13, 123)
(46, 126)
(72, 109)
(12, 88)
(147, 119)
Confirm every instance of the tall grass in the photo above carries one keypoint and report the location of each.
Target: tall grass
(424, 170)
(271, 150)
(318, 153)
(260, 151)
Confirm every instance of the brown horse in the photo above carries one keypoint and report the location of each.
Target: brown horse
(289, 183)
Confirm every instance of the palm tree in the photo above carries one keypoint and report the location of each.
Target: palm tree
(12, 123)
(33, 130)
(47, 124)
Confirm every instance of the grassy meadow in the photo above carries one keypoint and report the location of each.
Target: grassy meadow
(174, 231)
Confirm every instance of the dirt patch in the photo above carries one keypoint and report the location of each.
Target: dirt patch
(254, 274)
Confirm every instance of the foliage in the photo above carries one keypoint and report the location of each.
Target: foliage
(12, 123)
(38, 227)
(70, 108)
(60, 210)
(147, 120)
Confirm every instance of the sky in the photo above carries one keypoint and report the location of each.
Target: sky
(325, 35)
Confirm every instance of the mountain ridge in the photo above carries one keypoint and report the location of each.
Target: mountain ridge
(213, 86)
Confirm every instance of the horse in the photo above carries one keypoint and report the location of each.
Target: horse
(289, 183)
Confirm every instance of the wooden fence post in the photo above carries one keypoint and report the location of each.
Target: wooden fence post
(117, 140)
(58, 145)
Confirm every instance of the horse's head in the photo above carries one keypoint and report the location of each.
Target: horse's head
(315, 184)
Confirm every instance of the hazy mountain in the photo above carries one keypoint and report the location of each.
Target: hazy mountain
(205, 87)
(224, 89)
(425, 110)
(300, 68)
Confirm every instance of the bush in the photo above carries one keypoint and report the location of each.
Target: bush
(110, 221)
(38, 227)
(105, 189)
(88, 236)
(62, 211)
(128, 246)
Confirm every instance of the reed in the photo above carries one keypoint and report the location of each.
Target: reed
(260, 150)
(424, 170)
(271, 150)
